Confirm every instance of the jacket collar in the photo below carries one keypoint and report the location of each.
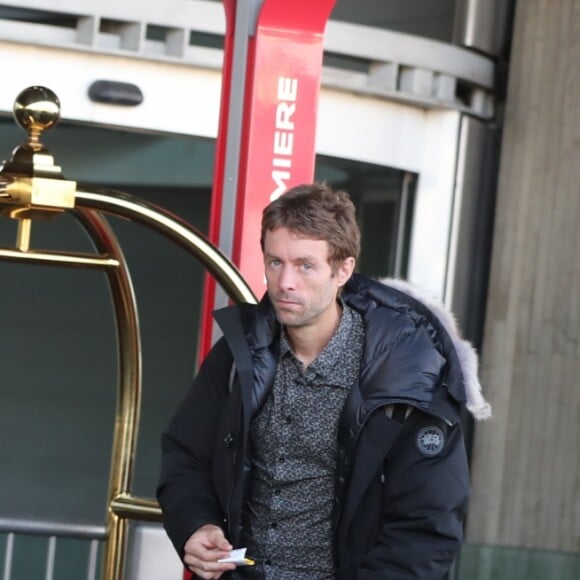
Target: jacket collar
(463, 384)
(365, 294)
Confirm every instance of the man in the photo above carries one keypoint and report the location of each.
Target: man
(322, 431)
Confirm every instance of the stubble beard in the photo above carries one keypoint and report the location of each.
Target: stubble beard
(304, 317)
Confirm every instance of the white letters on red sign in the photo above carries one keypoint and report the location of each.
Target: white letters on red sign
(284, 135)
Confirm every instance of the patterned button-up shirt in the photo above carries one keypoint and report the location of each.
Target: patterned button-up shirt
(287, 521)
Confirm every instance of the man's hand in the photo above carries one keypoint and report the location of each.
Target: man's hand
(203, 550)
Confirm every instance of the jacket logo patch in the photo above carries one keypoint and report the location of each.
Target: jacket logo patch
(430, 440)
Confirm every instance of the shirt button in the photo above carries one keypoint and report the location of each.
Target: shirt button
(277, 491)
(288, 419)
(274, 525)
(282, 459)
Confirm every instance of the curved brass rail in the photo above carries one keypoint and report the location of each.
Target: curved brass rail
(122, 505)
(176, 229)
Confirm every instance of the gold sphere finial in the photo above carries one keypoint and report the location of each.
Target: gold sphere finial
(36, 109)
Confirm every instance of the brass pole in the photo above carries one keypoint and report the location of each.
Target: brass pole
(59, 259)
(23, 235)
(129, 388)
(122, 505)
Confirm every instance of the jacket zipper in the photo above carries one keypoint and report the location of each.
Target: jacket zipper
(386, 402)
(233, 484)
(443, 418)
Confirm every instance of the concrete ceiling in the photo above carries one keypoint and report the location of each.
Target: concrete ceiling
(427, 18)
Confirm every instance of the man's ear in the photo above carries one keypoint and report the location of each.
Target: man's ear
(345, 270)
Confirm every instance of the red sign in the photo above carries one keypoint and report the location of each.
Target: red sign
(283, 66)
(279, 118)
(277, 149)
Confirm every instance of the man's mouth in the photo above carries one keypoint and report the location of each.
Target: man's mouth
(286, 301)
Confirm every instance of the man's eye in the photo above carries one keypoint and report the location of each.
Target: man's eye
(306, 266)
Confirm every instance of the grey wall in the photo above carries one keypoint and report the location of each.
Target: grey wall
(526, 461)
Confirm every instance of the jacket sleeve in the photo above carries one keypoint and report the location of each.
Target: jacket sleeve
(185, 491)
(425, 498)
(425, 479)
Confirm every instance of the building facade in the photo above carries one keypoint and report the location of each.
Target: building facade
(410, 121)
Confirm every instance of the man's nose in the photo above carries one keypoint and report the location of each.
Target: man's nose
(287, 280)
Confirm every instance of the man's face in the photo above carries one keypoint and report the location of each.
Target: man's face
(301, 283)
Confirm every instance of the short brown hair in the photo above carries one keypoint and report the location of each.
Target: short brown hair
(317, 212)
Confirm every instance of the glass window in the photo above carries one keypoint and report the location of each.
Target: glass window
(383, 197)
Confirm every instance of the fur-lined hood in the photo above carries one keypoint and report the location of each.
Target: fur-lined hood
(462, 358)
(475, 402)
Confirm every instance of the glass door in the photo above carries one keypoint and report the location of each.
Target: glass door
(384, 199)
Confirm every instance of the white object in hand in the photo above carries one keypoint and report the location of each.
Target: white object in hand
(238, 557)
